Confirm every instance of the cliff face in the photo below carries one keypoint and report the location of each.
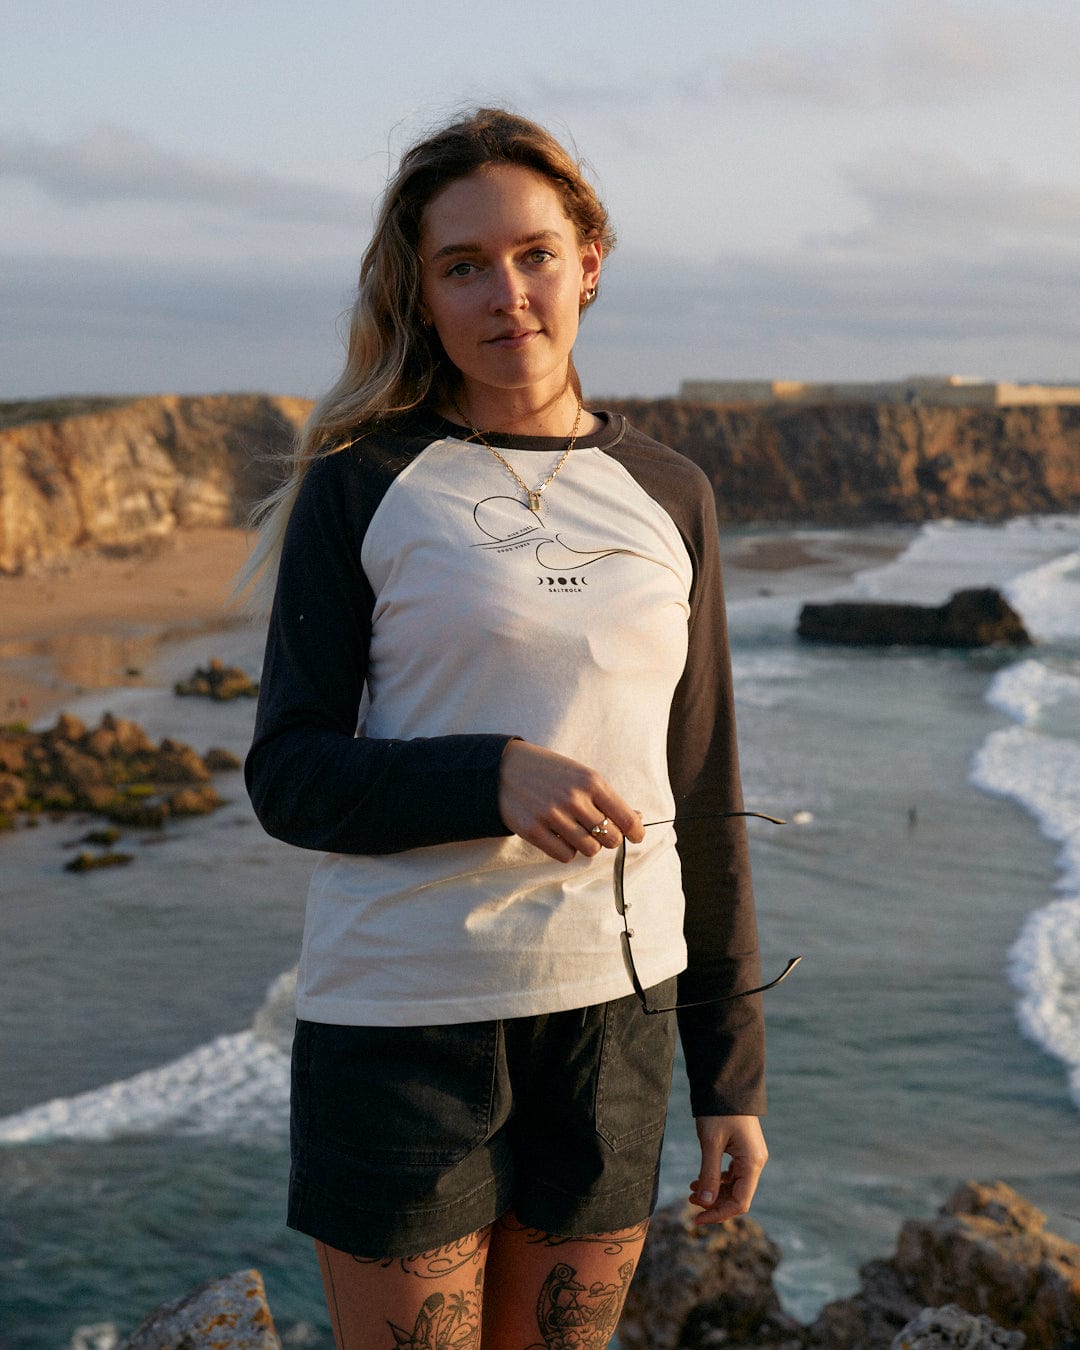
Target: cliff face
(118, 478)
(854, 464)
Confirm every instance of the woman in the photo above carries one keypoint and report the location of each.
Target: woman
(519, 599)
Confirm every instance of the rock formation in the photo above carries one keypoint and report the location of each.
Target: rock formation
(121, 478)
(226, 1314)
(114, 770)
(986, 1253)
(219, 682)
(975, 618)
(837, 464)
(119, 475)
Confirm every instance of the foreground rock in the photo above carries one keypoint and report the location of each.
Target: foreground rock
(949, 1327)
(983, 1273)
(692, 1281)
(114, 770)
(226, 1314)
(219, 682)
(987, 1252)
(974, 618)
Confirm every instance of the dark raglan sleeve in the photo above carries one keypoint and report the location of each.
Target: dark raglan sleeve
(723, 1042)
(312, 780)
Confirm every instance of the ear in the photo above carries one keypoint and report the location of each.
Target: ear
(592, 255)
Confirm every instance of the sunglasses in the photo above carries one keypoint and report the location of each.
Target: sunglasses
(622, 905)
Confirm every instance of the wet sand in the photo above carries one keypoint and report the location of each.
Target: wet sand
(98, 623)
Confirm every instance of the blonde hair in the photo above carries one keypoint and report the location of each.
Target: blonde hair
(395, 362)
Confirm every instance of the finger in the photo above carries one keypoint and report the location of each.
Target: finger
(604, 834)
(620, 815)
(708, 1184)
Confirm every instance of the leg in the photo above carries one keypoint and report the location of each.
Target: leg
(431, 1301)
(546, 1291)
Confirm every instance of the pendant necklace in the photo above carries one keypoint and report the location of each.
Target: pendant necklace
(533, 494)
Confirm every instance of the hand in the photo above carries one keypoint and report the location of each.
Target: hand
(721, 1192)
(553, 802)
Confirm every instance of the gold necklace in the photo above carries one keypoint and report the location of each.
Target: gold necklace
(533, 494)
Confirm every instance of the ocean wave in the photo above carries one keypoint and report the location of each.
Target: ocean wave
(236, 1088)
(1032, 552)
(1048, 598)
(1037, 695)
(1042, 774)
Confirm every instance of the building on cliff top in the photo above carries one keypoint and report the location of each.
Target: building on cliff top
(940, 391)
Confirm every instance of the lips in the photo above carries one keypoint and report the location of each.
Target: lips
(512, 337)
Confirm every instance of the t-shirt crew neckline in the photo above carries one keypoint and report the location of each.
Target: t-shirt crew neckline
(609, 434)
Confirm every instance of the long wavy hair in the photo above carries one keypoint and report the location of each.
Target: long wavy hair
(395, 362)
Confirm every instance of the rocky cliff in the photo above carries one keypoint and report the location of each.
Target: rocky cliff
(853, 464)
(117, 476)
(114, 475)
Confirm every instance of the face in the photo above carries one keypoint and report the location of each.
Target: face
(502, 279)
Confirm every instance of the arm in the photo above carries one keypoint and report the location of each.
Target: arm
(311, 780)
(723, 1042)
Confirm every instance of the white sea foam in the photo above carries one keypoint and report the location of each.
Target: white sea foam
(1048, 599)
(1042, 773)
(1038, 695)
(947, 556)
(236, 1087)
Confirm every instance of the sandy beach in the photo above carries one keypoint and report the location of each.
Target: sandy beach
(99, 623)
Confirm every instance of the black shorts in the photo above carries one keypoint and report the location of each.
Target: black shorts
(406, 1138)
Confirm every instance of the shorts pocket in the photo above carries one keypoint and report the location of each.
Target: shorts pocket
(636, 1058)
(418, 1096)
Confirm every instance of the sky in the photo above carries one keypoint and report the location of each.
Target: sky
(802, 189)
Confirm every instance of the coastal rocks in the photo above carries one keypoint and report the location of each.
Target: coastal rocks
(987, 1252)
(691, 1281)
(120, 479)
(219, 682)
(226, 1314)
(949, 1327)
(852, 464)
(984, 1273)
(114, 770)
(971, 618)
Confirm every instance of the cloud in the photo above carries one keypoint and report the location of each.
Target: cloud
(111, 164)
(929, 199)
(928, 53)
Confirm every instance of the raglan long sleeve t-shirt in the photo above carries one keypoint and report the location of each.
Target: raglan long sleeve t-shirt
(423, 617)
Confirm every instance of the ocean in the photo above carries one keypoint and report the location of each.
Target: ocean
(929, 875)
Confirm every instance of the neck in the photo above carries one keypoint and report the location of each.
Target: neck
(518, 413)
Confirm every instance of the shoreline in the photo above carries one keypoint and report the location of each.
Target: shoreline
(101, 622)
(104, 623)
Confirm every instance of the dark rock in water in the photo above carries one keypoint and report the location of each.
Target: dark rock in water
(227, 1314)
(219, 682)
(90, 862)
(975, 618)
(114, 770)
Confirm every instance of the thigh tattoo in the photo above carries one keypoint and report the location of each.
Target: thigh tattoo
(573, 1316)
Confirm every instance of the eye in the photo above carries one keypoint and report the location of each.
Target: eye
(541, 255)
(461, 269)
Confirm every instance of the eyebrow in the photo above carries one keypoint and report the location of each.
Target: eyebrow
(457, 250)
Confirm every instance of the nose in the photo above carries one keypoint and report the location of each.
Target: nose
(507, 290)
